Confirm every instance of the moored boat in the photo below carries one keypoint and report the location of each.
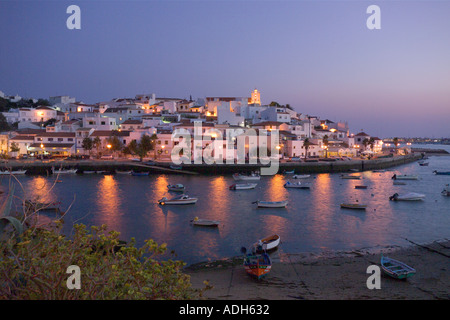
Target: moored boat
(411, 196)
(297, 185)
(63, 171)
(123, 172)
(396, 269)
(271, 204)
(251, 177)
(13, 172)
(182, 199)
(205, 222)
(139, 174)
(267, 244)
(176, 187)
(360, 187)
(350, 177)
(300, 176)
(289, 172)
(257, 265)
(243, 186)
(423, 163)
(356, 206)
(441, 172)
(404, 177)
(446, 191)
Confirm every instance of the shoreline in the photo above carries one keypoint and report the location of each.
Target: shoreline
(44, 167)
(337, 275)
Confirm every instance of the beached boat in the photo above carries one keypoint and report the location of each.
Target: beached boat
(396, 269)
(176, 187)
(411, 196)
(182, 199)
(404, 177)
(360, 187)
(441, 172)
(356, 206)
(267, 244)
(63, 171)
(271, 204)
(15, 172)
(297, 185)
(446, 191)
(257, 265)
(350, 177)
(243, 186)
(244, 177)
(205, 222)
(138, 174)
(300, 176)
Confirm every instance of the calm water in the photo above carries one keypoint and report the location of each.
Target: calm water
(312, 222)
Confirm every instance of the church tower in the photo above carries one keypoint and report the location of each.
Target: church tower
(256, 97)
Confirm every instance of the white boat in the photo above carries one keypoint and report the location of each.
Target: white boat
(404, 177)
(297, 185)
(244, 177)
(13, 172)
(123, 172)
(176, 187)
(243, 186)
(266, 244)
(350, 177)
(205, 222)
(182, 199)
(411, 196)
(300, 176)
(271, 204)
(62, 171)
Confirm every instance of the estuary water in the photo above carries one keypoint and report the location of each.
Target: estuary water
(312, 222)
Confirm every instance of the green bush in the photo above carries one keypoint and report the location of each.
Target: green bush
(34, 267)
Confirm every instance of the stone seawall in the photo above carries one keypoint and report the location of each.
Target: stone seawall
(45, 167)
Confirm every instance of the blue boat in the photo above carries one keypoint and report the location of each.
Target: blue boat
(441, 172)
(396, 269)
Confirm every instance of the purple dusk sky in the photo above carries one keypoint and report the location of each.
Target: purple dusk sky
(318, 56)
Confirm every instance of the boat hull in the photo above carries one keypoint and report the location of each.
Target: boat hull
(243, 186)
(258, 266)
(270, 204)
(353, 206)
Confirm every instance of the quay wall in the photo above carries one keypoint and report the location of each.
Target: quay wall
(45, 167)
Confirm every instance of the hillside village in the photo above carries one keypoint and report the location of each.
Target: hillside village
(66, 127)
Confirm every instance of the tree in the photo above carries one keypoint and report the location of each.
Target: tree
(97, 143)
(395, 140)
(371, 143)
(306, 145)
(87, 144)
(143, 147)
(365, 143)
(4, 125)
(14, 147)
(116, 143)
(325, 143)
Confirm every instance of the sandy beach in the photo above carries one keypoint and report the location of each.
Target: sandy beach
(330, 276)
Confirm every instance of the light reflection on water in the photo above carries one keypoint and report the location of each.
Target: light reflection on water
(312, 221)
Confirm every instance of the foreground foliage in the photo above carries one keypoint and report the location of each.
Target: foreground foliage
(34, 265)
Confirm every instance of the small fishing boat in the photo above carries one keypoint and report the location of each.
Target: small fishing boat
(396, 269)
(266, 244)
(423, 163)
(399, 183)
(251, 177)
(289, 172)
(63, 171)
(182, 199)
(271, 204)
(14, 172)
(411, 196)
(124, 172)
(441, 172)
(356, 206)
(404, 177)
(176, 187)
(257, 265)
(360, 187)
(300, 176)
(138, 174)
(446, 191)
(243, 186)
(205, 222)
(350, 177)
(297, 185)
